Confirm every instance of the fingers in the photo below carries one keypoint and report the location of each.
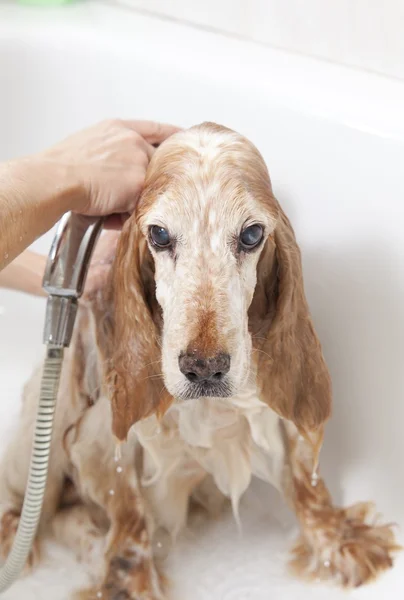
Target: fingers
(112, 160)
(147, 148)
(116, 221)
(131, 187)
(152, 132)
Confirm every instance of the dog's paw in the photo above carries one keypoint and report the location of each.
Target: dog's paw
(346, 548)
(9, 522)
(126, 581)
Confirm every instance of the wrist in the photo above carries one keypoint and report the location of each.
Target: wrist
(34, 194)
(57, 185)
(54, 187)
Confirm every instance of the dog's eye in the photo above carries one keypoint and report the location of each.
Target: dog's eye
(251, 236)
(160, 237)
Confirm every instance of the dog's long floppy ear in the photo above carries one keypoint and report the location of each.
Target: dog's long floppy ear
(293, 376)
(135, 389)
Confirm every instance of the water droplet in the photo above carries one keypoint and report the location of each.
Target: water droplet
(161, 543)
(327, 564)
(118, 453)
(111, 492)
(6, 256)
(50, 337)
(314, 479)
(119, 469)
(99, 594)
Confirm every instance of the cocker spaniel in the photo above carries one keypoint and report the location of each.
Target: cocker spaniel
(194, 367)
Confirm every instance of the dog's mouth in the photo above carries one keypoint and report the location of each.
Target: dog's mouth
(206, 389)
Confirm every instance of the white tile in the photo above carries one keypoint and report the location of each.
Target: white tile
(362, 33)
(368, 34)
(226, 15)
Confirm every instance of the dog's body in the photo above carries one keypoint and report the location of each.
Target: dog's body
(227, 320)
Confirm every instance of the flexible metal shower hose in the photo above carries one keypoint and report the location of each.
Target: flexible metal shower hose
(38, 471)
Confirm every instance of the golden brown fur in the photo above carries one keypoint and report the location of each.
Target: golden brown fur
(131, 368)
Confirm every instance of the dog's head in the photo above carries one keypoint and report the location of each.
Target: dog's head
(208, 272)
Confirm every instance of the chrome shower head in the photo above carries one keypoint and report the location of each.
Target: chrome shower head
(65, 274)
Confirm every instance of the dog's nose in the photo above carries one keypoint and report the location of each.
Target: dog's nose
(198, 369)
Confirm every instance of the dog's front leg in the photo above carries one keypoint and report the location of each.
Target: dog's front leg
(340, 544)
(111, 483)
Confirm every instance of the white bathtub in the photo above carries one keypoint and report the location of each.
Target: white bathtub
(334, 143)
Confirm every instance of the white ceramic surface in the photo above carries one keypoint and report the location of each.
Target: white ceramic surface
(334, 143)
(367, 34)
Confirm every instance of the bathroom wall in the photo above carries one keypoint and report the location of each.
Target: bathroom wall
(368, 34)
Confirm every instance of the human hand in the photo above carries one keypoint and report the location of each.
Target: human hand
(98, 172)
(107, 163)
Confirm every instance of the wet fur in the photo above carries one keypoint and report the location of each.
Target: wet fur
(108, 506)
